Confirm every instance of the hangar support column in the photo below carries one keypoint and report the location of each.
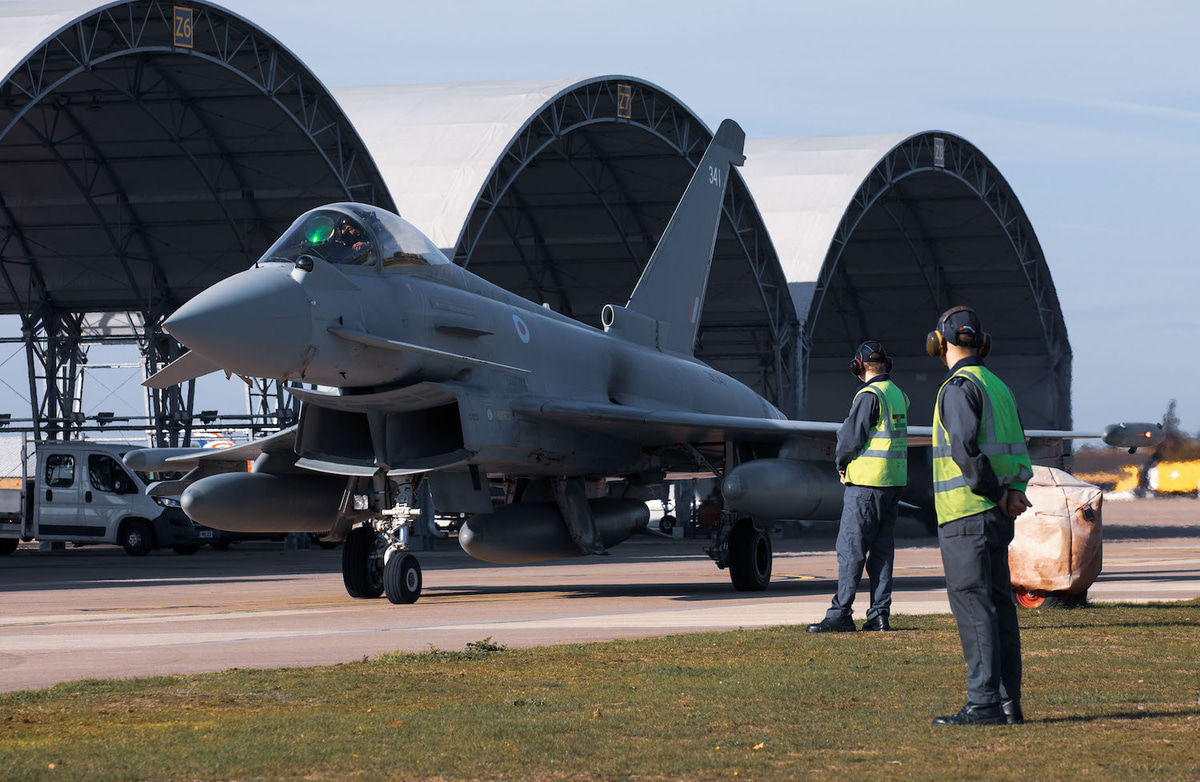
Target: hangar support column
(55, 352)
(169, 409)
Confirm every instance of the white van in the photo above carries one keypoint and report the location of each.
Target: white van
(81, 492)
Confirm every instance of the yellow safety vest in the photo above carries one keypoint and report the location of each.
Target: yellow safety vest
(1001, 440)
(883, 460)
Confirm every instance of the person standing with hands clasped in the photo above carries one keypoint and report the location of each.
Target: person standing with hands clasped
(980, 470)
(872, 461)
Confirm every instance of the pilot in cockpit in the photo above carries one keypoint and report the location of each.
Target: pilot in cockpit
(354, 238)
(344, 242)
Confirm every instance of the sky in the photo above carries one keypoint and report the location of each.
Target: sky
(1090, 110)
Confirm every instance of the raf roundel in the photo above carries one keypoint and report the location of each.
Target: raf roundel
(522, 329)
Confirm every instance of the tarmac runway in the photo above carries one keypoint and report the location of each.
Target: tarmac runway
(97, 613)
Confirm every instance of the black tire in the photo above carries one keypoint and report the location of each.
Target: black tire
(8, 545)
(137, 538)
(402, 579)
(185, 550)
(666, 524)
(1065, 600)
(750, 557)
(362, 559)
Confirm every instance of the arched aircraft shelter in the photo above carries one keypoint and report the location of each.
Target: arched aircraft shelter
(879, 235)
(137, 168)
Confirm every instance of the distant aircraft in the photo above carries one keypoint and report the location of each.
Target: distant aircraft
(422, 379)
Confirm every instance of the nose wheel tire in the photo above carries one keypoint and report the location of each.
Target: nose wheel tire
(402, 579)
(362, 563)
(749, 557)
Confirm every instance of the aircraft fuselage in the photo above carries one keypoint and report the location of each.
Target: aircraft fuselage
(522, 350)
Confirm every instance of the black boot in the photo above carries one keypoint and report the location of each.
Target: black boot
(843, 624)
(1012, 711)
(878, 624)
(974, 714)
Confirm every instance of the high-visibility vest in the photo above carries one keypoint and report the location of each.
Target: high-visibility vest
(883, 460)
(1001, 440)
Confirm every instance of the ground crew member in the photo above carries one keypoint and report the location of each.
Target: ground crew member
(980, 469)
(872, 461)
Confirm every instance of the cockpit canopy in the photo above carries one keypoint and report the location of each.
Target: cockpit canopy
(356, 235)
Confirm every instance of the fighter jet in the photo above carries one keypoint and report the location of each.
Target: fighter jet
(419, 379)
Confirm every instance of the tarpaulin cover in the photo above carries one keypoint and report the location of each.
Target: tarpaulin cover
(1058, 542)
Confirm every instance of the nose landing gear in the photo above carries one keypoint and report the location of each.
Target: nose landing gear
(375, 559)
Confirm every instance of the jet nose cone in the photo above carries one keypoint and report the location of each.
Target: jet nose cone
(257, 322)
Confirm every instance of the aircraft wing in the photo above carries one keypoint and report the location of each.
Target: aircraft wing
(673, 427)
(203, 462)
(168, 459)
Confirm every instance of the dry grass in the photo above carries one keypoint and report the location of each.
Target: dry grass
(1111, 693)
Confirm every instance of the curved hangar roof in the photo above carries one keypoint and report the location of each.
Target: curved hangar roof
(878, 235)
(137, 168)
(138, 165)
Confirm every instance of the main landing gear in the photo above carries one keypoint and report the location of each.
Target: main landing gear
(375, 558)
(745, 549)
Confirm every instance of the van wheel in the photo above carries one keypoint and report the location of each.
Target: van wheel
(137, 538)
(8, 545)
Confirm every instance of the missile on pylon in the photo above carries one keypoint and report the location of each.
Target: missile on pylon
(536, 531)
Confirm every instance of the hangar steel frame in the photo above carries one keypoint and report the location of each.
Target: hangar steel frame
(761, 352)
(34, 97)
(944, 153)
(937, 201)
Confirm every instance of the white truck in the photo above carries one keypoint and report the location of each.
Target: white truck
(80, 492)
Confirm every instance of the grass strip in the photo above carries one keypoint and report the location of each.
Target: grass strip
(1111, 692)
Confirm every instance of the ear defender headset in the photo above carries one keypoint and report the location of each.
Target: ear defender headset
(968, 335)
(869, 351)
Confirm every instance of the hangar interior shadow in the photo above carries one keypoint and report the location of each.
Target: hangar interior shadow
(135, 172)
(917, 239)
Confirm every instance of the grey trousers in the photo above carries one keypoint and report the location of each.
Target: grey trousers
(975, 558)
(867, 535)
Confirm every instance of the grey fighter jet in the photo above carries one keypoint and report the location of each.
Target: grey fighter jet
(420, 380)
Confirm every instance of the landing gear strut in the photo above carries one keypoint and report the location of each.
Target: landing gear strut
(745, 549)
(375, 558)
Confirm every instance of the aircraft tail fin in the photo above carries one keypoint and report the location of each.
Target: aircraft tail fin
(671, 289)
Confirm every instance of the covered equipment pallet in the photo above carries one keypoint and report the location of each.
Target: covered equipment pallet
(1057, 550)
